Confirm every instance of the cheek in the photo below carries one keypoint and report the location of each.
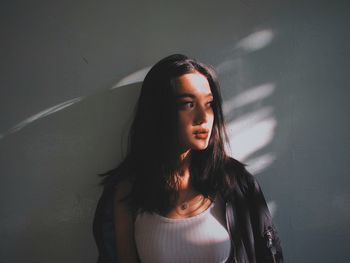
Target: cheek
(211, 119)
(184, 123)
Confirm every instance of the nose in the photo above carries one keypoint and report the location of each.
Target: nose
(201, 116)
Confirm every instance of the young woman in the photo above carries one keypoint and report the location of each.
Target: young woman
(177, 196)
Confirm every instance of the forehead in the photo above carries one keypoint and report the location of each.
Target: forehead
(193, 83)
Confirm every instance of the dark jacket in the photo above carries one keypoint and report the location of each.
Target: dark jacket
(254, 238)
(253, 235)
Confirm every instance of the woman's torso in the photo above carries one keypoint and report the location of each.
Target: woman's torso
(199, 238)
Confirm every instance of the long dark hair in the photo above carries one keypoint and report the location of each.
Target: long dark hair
(152, 158)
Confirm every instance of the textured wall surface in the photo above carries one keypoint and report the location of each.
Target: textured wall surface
(70, 77)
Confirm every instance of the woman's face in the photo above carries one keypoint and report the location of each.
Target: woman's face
(194, 106)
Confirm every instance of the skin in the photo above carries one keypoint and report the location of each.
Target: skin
(194, 111)
(124, 226)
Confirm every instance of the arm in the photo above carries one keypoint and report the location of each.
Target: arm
(124, 226)
(265, 233)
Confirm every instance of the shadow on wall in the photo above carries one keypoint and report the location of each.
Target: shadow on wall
(50, 196)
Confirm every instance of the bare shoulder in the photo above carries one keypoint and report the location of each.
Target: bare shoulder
(123, 189)
(122, 210)
(124, 224)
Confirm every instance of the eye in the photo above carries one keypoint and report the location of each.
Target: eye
(210, 103)
(186, 104)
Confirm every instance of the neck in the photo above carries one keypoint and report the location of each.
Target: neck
(183, 173)
(185, 155)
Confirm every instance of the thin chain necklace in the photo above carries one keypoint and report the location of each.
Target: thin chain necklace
(195, 211)
(185, 204)
(184, 211)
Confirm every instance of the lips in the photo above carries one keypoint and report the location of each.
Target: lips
(201, 133)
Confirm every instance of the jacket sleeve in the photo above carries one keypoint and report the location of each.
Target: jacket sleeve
(267, 242)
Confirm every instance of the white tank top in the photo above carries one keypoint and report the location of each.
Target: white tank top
(201, 238)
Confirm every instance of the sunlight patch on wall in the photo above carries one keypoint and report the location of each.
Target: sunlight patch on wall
(251, 139)
(40, 115)
(256, 40)
(252, 95)
(135, 77)
(254, 130)
(249, 119)
(272, 207)
(260, 163)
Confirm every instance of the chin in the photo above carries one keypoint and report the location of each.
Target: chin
(199, 146)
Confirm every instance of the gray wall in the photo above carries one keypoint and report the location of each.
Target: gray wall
(70, 76)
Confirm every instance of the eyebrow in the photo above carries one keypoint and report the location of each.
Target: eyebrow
(184, 95)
